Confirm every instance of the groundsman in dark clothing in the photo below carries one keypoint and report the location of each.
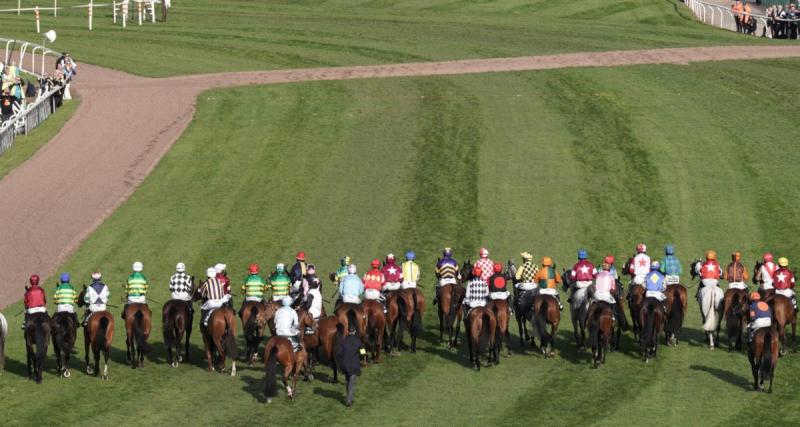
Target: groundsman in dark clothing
(349, 356)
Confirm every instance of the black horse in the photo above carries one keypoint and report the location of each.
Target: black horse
(37, 334)
(65, 331)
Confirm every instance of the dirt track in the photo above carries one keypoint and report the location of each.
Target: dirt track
(52, 202)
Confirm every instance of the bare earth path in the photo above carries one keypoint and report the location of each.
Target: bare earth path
(124, 124)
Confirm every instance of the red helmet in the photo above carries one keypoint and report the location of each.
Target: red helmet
(641, 248)
(375, 263)
(768, 257)
(477, 271)
(483, 252)
(301, 256)
(34, 280)
(498, 267)
(253, 269)
(609, 259)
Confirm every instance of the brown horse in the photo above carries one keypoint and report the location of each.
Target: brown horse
(279, 350)
(734, 311)
(635, 300)
(98, 334)
(675, 312)
(347, 313)
(64, 333)
(783, 314)
(601, 331)
(499, 308)
(545, 310)
(328, 331)
(37, 335)
(400, 309)
(651, 319)
(137, 330)
(763, 355)
(220, 337)
(417, 312)
(177, 322)
(254, 316)
(376, 325)
(757, 280)
(481, 325)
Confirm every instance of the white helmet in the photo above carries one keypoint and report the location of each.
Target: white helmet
(483, 252)
(137, 266)
(220, 267)
(180, 268)
(97, 275)
(351, 269)
(211, 272)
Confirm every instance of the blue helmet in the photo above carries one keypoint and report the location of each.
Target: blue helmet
(655, 265)
(447, 252)
(582, 254)
(410, 255)
(64, 277)
(669, 250)
(287, 302)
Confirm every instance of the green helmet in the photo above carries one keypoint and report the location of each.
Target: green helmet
(345, 260)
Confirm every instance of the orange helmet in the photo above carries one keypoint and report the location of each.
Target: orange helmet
(547, 261)
(755, 296)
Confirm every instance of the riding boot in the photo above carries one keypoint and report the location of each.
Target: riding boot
(571, 294)
(123, 311)
(204, 314)
(24, 321)
(560, 306)
(85, 320)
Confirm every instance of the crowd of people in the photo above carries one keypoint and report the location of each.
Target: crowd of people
(16, 91)
(783, 21)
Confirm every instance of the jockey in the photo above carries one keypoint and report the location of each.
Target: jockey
(313, 300)
(760, 314)
(95, 297)
(410, 271)
(222, 276)
(254, 285)
(373, 281)
(279, 282)
(582, 273)
(392, 274)
(35, 301)
(671, 266)
(486, 264)
(640, 265)
(477, 290)
(351, 287)
(525, 276)
(655, 284)
(66, 297)
(497, 285)
(709, 272)
(446, 272)
(342, 270)
(180, 284)
(298, 271)
(605, 287)
(311, 278)
(286, 323)
(136, 288)
(784, 281)
(735, 273)
(767, 272)
(548, 279)
(213, 293)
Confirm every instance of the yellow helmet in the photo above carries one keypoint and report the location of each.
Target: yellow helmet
(711, 255)
(547, 261)
(526, 256)
(783, 262)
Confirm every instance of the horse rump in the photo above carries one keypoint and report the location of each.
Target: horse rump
(64, 332)
(229, 340)
(675, 320)
(271, 362)
(539, 319)
(251, 327)
(138, 333)
(648, 335)
(100, 343)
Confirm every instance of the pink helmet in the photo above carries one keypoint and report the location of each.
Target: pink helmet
(483, 252)
(768, 257)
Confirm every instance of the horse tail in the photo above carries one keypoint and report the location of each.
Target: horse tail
(352, 320)
(3, 327)
(483, 340)
(228, 340)
(453, 309)
(40, 338)
(648, 335)
(62, 335)
(709, 308)
(100, 334)
(594, 329)
(416, 319)
(765, 367)
(251, 327)
(402, 310)
(271, 386)
(138, 332)
(541, 322)
(675, 317)
(170, 336)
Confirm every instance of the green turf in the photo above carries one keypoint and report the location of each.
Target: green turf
(26, 146)
(213, 35)
(541, 161)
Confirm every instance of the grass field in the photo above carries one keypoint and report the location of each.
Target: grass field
(541, 161)
(26, 146)
(212, 35)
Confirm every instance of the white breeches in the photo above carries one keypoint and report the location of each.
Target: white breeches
(391, 286)
(352, 299)
(737, 285)
(36, 310)
(408, 285)
(372, 294)
(65, 308)
(498, 295)
(526, 286)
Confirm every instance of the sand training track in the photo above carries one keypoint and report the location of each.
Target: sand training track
(124, 124)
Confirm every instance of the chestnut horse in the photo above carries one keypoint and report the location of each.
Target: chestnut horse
(400, 314)
(279, 350)
(676, 293)
(376, 326)
(254, 316)
(97, 334)
(220, 337)
(783, 315)
(481, 325)
(137, 330)
(177, 322)
(601, 332)
(417, 312)
(499, 308)
(763, 355)
(327, 333)
(37, 334)
(734, 311)
(64, 332)
(545, 310)
(347, 313)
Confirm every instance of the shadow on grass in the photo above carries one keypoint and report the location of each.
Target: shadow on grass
(330, 394)
(727, 376)
(255, 387)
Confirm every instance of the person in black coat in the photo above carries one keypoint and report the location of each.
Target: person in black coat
(348, 355)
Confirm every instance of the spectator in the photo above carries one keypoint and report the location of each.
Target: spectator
(349, 358)
(6, 105)
(737, 14)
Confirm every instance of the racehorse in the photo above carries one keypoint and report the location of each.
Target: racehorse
(252, 314)
(499, 308)
(220, 337)
(601, 332)
(347, 313)
(622, 321)
(37, 334)
(279, 350)
(758, 280)
(400, 314)
(635, 300)
(137, 330)
(328, 331)
(763, 355)
(676, 300)
(481, 325)
(376, 325)
(97, 334)
(65, 331)
(545, 310)
(417, 311)
(578, 307)
(710, 309)
(177, 320)
(783, 314)
(3, 335)
(651, 318)
(734, 311)
(451, 298)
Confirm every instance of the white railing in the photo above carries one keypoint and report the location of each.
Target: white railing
(722, 16)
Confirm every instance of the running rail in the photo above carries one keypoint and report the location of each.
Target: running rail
(722, 16)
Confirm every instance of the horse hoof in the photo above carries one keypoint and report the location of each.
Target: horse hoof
(269, 400)
(89, 370)
(105, 377)
(66, 373)
(180, 359)
(174, 364)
